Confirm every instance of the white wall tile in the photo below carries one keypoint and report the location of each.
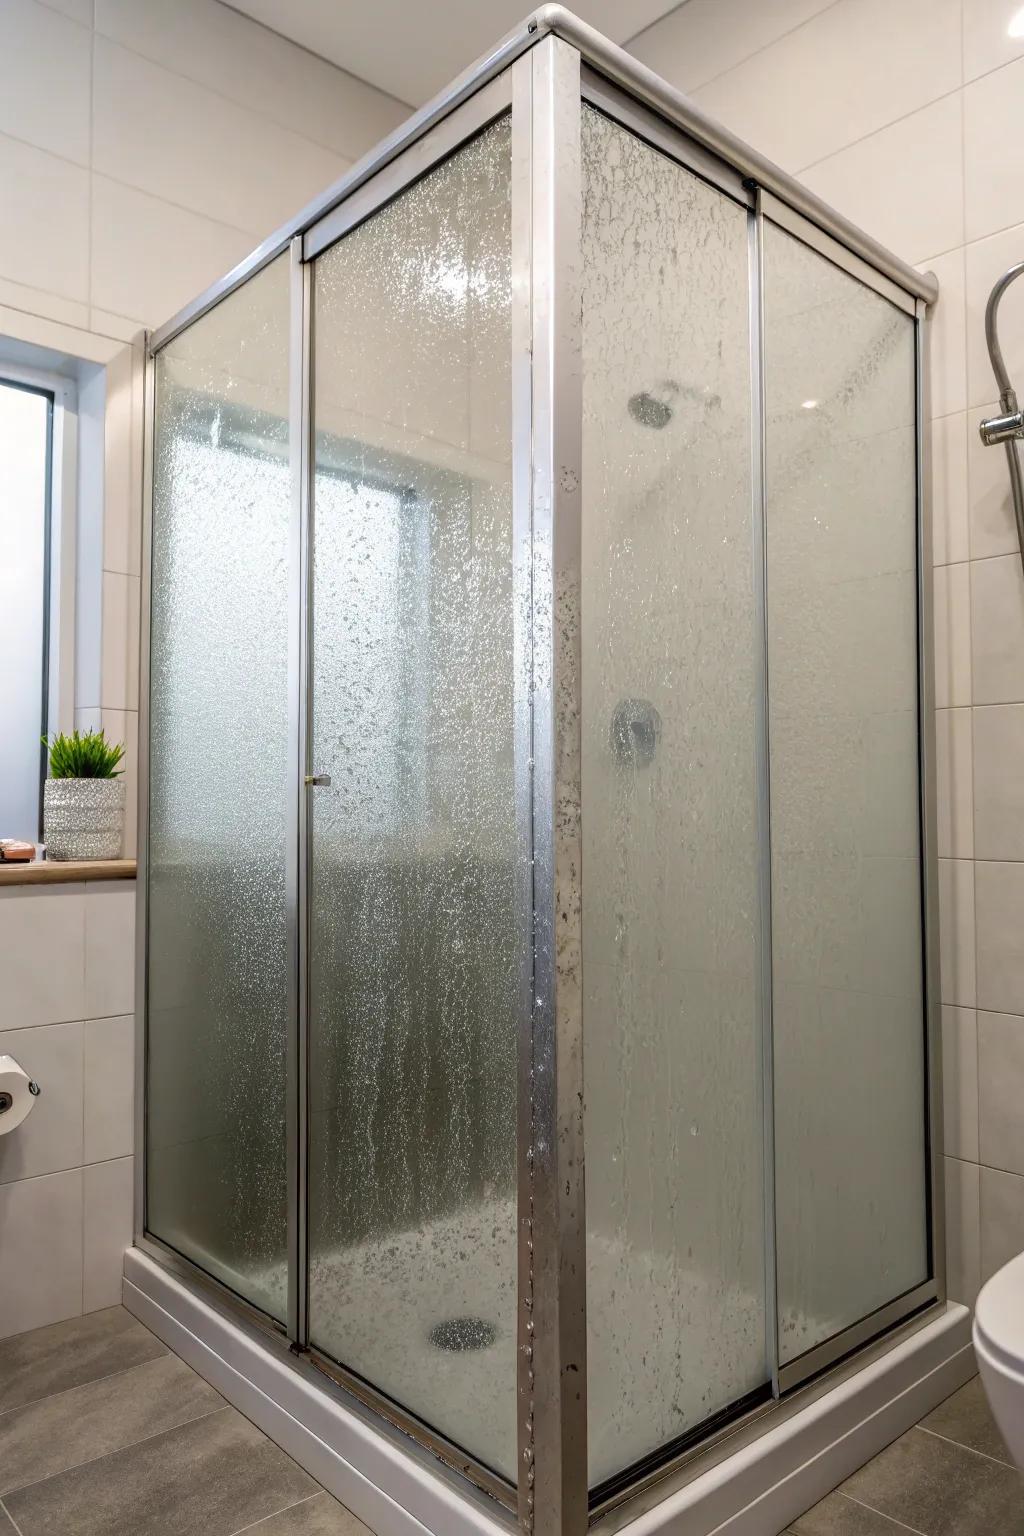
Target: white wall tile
(122, 725)
(1002, 1219)
(51, 1136)
(158, 131)
(1001, 1090)
(44, 231)
(954, 786)
(108, 1231)
(997, 630)
(213, 45)
(960, 1082)
(999, 902)
(78, 10)
(987, 40)
(41, 1251)
(903, 183)
(42, 954)
(122, 522)
(34, 301)
(149, 259)
(994, 151)
(703, 38)
(44, 79)
(109, 948)
(950, 523)
(952, 622)
(986, 260)
(947, 333)
(109, 1087)
(963, 1231)
(999, 782)
(956, 931)
(831, 81)
(992, 527)
(119, 683)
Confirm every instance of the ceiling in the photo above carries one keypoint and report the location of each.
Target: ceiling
(405, 48)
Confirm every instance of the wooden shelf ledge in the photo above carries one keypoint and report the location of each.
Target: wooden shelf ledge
(74, 871)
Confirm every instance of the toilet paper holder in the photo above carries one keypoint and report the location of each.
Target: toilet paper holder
(7, 1099)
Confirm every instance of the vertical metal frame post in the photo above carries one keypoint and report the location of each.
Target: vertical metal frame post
(762, 726)
(547, 432)
(296, 872)
(142, 836)
(929, 802)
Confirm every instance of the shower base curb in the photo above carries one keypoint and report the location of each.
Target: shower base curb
(392, 1486)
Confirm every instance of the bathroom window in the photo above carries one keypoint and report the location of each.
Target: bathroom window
(26, 456)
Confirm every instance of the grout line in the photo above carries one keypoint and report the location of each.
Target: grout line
(48, 1396)
(899, 1524)
(891, 123)
(970, 1449)
(106, 1455)
(275, 1512)
(241, 106)
(692, 90)
(304, 48)
(11, 1518)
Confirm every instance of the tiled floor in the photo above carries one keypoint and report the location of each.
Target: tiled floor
(103, 1432)
(951, 1475)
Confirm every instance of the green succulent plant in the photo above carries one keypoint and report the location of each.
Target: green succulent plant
(83, 755)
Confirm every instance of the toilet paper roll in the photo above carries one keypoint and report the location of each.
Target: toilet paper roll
(18, 1094)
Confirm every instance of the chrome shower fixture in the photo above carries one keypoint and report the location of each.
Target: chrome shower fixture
(655, 408)
(1008, 426)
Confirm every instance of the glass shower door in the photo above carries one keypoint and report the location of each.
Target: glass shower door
(413, 929)
(848, 1013)
(671, 677)
(220, 809)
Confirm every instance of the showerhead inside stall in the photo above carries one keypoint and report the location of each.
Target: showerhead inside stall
(537, 952)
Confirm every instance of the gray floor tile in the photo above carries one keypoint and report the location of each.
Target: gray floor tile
(63, 1355)
(319, 1516)
(837, 1515)
(72, 1427)
(212, 1477)
(966, 1418)
(941, 1489)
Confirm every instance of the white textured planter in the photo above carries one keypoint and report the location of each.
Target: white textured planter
(83, 818)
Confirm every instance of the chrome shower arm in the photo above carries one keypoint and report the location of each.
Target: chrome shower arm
(1008, 427)
(1007, 398)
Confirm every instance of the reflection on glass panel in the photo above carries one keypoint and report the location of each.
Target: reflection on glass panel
(846, 905)
(219, 807)
(24, 468)
(675, 1261)
(413, 928)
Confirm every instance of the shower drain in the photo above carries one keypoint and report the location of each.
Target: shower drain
(462, 1333)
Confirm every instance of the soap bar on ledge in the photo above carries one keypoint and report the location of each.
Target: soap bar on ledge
(14, 852)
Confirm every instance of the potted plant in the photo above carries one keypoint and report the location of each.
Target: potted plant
(83, 799)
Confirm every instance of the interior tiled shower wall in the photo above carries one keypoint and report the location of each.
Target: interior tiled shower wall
(908, 115)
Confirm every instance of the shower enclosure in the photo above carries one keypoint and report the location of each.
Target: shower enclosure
(537, 778)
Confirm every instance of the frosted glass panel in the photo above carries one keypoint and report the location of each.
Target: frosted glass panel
(846, 888)
(220, 813)
(413, 926)
(675, 1256)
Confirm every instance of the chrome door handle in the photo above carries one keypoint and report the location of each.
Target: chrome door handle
(318, 781)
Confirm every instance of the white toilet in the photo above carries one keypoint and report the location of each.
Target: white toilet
(999, 1346)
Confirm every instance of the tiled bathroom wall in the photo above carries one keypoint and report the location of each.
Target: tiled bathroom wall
(145, 147)
(908, 115)
(66, 957)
